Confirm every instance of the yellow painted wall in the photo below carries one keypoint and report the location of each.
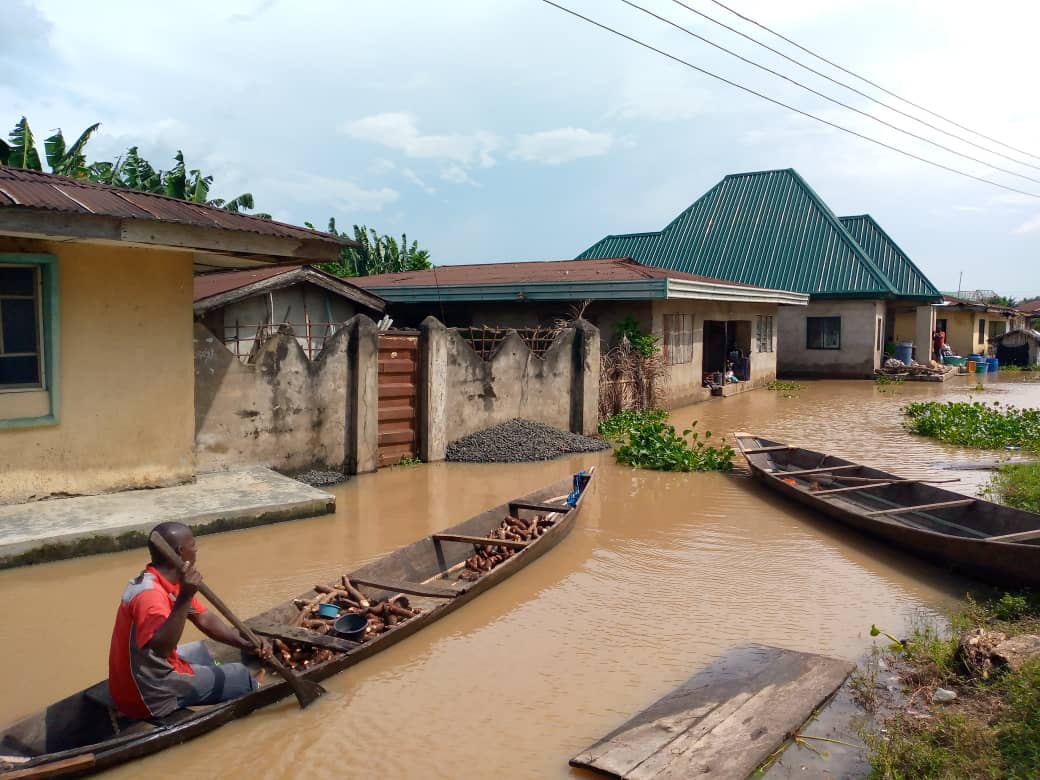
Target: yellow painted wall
(127, 412)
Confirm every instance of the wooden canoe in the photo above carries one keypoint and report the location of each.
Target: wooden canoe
(994, 543)
(82, 734)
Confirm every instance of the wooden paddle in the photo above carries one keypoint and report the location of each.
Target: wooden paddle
(305, 690)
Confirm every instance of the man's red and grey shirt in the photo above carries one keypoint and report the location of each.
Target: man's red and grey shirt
(143, 684)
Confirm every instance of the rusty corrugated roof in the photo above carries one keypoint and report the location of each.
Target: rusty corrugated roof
(23, 189)
(223, 281)
(608, 269)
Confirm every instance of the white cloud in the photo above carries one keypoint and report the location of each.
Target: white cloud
(1029, 226)
(413, 177)
(398, 130)
(969, 209)
(553, 147)
(337, 194)
(456, 174)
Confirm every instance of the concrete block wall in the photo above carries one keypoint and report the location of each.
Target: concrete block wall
(285, 411)
(462, 393)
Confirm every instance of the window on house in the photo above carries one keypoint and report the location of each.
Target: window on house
(997, 328)
(21, 350)
(823, 333)
(764, 333)
(982, 331)
(678, 338)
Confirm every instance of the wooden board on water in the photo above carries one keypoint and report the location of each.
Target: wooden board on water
(722, 722)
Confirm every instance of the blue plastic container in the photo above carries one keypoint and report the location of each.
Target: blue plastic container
(328, 610)
(992, 364)
(977, 357)
(905, 352)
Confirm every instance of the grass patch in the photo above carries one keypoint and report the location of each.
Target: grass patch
(884, 379)
(992, 728)
(644, 439)
(1016, 484)
(975, 424)
(1020, 368)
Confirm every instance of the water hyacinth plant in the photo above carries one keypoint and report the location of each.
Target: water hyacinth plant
(975, 424)
(645, 440)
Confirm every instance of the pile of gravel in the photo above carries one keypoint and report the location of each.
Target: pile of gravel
(317, 478)
(520, 440)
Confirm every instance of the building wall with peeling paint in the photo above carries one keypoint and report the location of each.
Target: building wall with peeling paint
(124, 416)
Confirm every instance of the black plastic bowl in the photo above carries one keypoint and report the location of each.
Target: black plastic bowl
(351, 626)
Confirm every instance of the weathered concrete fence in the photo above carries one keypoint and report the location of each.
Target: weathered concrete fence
(463, 393)
(287, 412)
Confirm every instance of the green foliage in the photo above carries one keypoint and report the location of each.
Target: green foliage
(376, 254)
(992, 730)
(1017, 485)
(1011, 607)
(616, 427)
(1002, 300)
(885, 379)
(409, 460)
(653, 444)
(644, 344)
(130, 171)
(975, 424)
(784, 387)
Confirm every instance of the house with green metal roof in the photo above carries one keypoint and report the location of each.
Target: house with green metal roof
(771, 229)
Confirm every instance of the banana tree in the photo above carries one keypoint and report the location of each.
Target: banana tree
(69, 160)
(21, 148)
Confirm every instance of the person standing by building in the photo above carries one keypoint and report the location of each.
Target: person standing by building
(938, 342)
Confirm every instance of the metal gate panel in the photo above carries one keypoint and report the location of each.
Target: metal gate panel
(398, 397)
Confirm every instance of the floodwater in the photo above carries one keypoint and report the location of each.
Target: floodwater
(661, 575)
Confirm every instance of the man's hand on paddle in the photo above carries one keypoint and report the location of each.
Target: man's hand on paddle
(190, 581)
(264, 652)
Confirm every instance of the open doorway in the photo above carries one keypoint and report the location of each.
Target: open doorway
(727, 345)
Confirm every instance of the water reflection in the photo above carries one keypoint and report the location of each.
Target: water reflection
(663, 573)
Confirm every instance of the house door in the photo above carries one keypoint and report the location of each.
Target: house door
(398, 396)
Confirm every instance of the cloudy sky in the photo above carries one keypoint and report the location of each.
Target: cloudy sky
(507, 130)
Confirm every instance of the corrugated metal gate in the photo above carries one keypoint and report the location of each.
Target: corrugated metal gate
(398, 396)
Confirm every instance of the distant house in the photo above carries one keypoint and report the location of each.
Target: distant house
(96, 355)
(699, 321)
(772, 230)
(1031, 313)
(1019, 347)
(244, 308)
(970, 325)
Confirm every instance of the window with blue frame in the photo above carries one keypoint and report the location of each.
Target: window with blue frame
(21, 314)
(28, 339)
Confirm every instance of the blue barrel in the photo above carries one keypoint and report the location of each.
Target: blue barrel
(905, 352)
(992, 364)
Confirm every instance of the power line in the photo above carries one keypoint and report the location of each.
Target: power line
(868, 81)
(827, 97)
(785, 105)
(859, 92)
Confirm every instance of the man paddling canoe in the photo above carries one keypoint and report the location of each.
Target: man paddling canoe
(149, 676)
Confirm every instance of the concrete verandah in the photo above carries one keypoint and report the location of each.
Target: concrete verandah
(217, 501)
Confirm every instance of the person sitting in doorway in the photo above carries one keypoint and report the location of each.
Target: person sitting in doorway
(149, 676)
(730, 376)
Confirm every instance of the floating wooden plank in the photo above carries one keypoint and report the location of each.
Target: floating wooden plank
(724, 721)
(481, 540)
(899, 510)
(535, 507)
(411, 588)
(306, 637)
(1020, 536)
(821, 469)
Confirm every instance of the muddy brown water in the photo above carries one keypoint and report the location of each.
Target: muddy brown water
(662, 574)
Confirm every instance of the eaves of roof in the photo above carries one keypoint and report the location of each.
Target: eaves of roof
(224, 295)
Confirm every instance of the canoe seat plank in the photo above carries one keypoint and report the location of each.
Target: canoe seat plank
(771, 448)
(305, 636)
(899, 510)
(799, 472)
(536, 507)
(480, 540)
(411, 588)
(1020, 536)
(854, 488)
(722, 722)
